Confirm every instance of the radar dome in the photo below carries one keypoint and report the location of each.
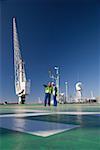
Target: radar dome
(78, 86)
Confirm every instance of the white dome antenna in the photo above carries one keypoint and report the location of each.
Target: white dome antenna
(78, 92)
(78, 86)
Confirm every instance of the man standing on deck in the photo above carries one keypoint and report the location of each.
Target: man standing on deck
(54, 94)
(48, 92)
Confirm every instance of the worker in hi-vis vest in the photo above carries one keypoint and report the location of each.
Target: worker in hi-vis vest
(48, 92)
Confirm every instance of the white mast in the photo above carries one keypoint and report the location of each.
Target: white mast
(21, 85)
(57, 81)
(66, 85)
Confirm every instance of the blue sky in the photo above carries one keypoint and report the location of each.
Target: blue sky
(63, 33)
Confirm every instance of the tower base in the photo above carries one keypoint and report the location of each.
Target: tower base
(22, 99)
(78, 96)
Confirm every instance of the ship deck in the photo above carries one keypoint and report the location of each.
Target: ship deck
(69, 126)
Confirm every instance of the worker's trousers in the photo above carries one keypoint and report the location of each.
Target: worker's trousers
(47, 99)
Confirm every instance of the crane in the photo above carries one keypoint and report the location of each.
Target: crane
(22, 85)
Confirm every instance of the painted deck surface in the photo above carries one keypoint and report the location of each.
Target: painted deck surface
(84, 119)
(39, 128)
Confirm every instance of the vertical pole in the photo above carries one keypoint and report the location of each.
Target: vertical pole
(66, 84)
(92, 95)
(57, 81)
(19, 100)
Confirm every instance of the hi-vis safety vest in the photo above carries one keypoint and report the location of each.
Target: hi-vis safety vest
(48, 90)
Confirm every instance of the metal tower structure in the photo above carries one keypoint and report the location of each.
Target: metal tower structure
(22, 86)
(66, 97)
(56, 79)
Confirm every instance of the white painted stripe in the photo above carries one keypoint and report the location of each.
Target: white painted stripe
(39, 128)
(78, 113)
(24, 115)
(48, 113)
(22, 110)
(29, 110)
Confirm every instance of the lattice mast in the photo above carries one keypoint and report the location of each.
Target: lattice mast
(21, 84)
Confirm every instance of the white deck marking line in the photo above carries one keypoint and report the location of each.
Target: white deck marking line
(78, 113)
(39, 128)
(24, 110)
(29, 110)
(49, 113)
(24, 115)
